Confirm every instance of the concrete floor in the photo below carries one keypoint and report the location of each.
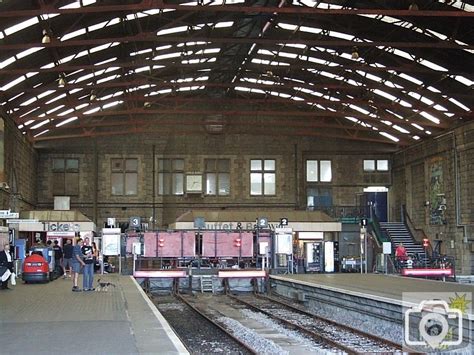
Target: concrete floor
(50, 319)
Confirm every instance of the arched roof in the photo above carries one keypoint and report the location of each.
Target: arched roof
(392, 71)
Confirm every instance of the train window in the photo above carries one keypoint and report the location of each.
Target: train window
(262, 177)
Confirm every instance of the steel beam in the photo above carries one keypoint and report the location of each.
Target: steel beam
(200, 131)
(297, 10)
(152, 37)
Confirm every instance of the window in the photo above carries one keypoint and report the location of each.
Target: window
(375, 165)
(262, 177)
(171, 176)
(217, 176)
(65, 177)
(318, 171)
(124, 177)
(319, 197)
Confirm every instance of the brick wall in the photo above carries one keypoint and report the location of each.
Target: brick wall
(289, 153)
(454, 152)
(20, 171)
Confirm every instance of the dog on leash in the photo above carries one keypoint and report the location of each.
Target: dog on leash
(104, 286)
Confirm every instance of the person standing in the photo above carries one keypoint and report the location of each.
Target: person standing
(67, 253)
(88, 255)
(96, 253)
(401, 255)
(6, 260)
(58, 258)
(77, 263)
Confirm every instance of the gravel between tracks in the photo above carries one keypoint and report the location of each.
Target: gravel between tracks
(199, 336)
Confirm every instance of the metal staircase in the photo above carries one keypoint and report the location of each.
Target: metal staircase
(207, 284)
(399, 233)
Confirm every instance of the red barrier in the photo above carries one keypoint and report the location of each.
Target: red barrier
(160, 273)
(242, 273)
(427, 272)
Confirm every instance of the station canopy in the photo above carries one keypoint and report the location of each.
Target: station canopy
(391, 71)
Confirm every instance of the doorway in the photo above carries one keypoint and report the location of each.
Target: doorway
(375, 198)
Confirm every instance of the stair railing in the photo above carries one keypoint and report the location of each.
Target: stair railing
(380, 235)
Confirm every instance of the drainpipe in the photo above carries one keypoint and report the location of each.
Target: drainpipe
(153, 188)
(458, 191)
(96, 184)
(297, 180)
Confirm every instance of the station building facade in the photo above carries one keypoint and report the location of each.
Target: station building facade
(159, 178)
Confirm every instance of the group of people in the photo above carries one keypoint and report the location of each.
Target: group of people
(81, 256)
(71, 260)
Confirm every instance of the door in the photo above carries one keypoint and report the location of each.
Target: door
(378, 202)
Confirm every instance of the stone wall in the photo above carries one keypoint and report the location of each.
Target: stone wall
(95, 199)
(423, 175)
(20, 171)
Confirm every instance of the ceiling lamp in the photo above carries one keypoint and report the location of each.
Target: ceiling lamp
(61, 81)
(147, 104)
(413, 7)
(93, 96)
(355, 53)
(46, 38)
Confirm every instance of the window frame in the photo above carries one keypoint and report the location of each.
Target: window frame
(124, 171)
(218, 174)
(319, 171)
(376, 163)
(263, 172)
(173, 175)
(65, 172)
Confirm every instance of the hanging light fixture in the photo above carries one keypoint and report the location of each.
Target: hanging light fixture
(61, 81)
(93, 96)
(147, 104)
(355, 53)
(46, 38)
(413, 7)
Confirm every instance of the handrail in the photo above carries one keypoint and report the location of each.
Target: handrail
(342, 213)
(375, 224)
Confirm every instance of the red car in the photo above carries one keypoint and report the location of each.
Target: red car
(35, 269)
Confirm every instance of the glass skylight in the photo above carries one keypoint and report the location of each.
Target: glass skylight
(41, 133)
(389, 136)
(42, 123)
(71, 119)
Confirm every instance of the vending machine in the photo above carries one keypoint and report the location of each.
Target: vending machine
(313, 257)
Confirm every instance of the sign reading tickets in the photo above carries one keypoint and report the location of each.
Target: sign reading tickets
(111, 241)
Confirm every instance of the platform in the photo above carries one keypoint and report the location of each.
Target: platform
(50, 319)
(389, 288)
(371, 302)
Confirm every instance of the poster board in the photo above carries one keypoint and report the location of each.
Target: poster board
(111, 244)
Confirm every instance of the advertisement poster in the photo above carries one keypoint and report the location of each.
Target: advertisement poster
(111, 244)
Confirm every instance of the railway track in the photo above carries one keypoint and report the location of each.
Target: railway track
(342, 337)
(198, 332)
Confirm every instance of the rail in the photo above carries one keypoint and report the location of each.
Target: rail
(210, 320)
(347, 348)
